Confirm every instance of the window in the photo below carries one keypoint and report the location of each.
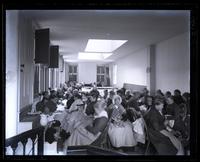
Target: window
(42, 78)
(73, 72)
(36, 81)
(52, 78)
(46, 78)
(103, 76)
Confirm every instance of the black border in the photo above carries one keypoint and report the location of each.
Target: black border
(137, 4)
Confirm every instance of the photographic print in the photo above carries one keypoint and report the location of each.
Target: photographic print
(111, 82)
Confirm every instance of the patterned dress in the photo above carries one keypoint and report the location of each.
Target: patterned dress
(83, 136)
(120, 132)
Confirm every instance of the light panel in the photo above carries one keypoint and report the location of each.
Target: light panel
(93, 56)
(103, 45)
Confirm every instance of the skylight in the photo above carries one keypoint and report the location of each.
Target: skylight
(103, 45)
(93, 56)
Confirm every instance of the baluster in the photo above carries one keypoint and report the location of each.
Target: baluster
(41, 142)
(35, 134)
(33, 144)
(24, 141)
(14, 147)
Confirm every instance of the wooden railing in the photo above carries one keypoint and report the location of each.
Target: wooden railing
(36, 135)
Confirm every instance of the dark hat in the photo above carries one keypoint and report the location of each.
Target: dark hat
(94, 93)
(159, 100)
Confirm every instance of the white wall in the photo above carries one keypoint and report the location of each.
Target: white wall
(11, 73)
(132, 68)
(173, 64)
(87, 72)
(26, 51)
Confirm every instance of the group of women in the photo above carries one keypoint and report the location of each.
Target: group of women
(124, 114)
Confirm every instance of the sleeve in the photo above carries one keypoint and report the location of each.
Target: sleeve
(89, 109)
(73, 107)
(39, 106)
(98, 125)
(156, 123)
(176, 111)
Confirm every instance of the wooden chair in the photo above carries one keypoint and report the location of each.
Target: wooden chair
(147, 136)
(103, 140)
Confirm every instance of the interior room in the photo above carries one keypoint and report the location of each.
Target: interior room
(97, 82)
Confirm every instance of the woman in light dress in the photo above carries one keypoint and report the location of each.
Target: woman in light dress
(87, 131)
(120, 132)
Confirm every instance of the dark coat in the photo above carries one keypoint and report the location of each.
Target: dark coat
(155, 123)
(69, 102)
(51, 105)
(109, 102)
(40, 106)
(98, 125)
(90, 108)
(172, 110)
(178, 100)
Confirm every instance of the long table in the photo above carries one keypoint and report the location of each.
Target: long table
(100, 89)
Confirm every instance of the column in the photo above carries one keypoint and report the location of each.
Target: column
(12, 73)
(151, 80)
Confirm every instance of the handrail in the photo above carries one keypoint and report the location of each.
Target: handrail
(23, 138)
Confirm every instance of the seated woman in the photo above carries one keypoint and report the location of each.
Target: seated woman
(110, 97)
(40, 105)
(69, 119)
(77, 101)
(160, 136)
(182, 126)
(120, 132)
(171, 108)
(85, 133)
(93, 97)
(186, 98)
(52, 129)
(138, 124)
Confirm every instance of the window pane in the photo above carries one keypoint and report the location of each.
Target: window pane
(75, 69)
(98, 78)
(75, 77)
(36, 81)
(107, 70)
(52, 78)
(102, 78)
(98, 69)
(102, 70)
(70, 69)
(72, 77)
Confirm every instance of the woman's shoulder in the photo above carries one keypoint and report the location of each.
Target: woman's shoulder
(102, 114)
(121, 107)
(100, 120)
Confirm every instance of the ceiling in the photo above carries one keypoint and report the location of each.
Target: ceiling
(71, 29)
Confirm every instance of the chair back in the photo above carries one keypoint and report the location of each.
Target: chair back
(103, 139)
(147, 136)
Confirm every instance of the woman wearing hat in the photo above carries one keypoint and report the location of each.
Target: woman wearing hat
(159, 131)
(120, 132)
(85, 132)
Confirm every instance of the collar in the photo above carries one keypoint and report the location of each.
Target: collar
(102, 114)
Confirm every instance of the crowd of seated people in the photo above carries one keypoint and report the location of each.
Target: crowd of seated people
(86, 115)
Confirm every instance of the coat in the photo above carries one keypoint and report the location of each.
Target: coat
(155, 123)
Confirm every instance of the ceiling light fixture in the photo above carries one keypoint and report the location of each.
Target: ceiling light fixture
(103, 45)
(93, 56)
